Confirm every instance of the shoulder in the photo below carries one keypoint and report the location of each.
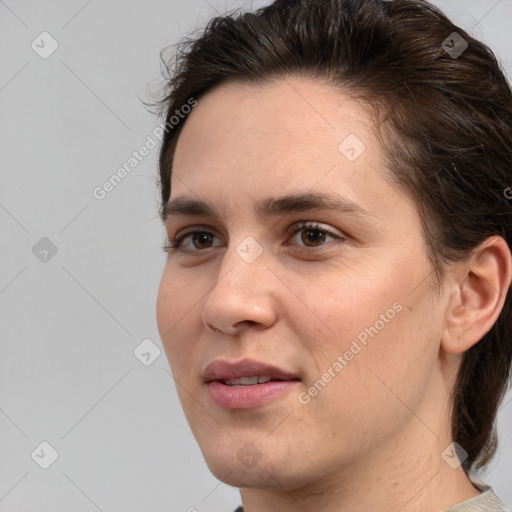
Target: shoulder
(486, 501)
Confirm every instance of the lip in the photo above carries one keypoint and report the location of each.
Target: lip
(246, 397)
(222, 369)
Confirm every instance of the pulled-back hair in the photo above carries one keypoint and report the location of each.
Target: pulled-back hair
(443, 119)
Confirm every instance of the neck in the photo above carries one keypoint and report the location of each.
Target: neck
(406, 473)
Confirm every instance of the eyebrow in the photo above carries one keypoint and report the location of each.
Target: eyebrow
(269, 207)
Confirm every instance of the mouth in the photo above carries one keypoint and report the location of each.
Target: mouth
(246, 384)
(249, 381)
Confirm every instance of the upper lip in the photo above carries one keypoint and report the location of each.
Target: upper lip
(222, 369)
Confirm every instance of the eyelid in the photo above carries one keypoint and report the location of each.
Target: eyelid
(291, 230)
(178, 239)
(297, 226)
(193, 229)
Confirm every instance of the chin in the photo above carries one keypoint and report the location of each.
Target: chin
(245, 468)
(239, 475)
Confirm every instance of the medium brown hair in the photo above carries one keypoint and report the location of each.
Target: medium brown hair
(444, 120)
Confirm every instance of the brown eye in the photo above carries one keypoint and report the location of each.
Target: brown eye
(194, 241)
(202, 239)
(313, 236)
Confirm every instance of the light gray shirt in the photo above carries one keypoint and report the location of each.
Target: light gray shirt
(487, 501)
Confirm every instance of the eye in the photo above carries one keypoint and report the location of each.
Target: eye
(312, 234)
(194, 241)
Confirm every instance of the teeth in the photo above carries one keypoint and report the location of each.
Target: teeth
(247, 381)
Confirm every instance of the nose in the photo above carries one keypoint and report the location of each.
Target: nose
(242, 295)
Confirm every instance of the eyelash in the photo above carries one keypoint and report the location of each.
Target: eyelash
(296, 228)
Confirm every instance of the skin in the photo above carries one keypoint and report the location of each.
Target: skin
(373, 437)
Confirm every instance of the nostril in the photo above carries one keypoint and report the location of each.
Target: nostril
(210, 326)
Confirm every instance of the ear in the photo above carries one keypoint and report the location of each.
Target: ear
(478, 295)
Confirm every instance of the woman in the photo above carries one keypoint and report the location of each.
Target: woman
(335, 305)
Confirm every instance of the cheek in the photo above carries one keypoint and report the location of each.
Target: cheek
(365, 299)
(374, 322)
(178, 311)
(387, 347)
(177, 296)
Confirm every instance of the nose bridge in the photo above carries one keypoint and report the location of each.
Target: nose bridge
(242, 267)
(241, 292)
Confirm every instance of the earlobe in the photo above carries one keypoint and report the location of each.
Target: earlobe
(478, 295)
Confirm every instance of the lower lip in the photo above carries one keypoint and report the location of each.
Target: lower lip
(247, 397)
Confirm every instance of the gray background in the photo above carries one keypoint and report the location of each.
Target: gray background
(70, 324)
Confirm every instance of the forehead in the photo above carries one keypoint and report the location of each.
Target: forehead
(278, 115)
(287, 135)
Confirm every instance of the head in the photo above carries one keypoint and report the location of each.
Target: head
(394, 306)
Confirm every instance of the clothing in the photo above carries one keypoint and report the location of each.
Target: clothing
(487, 501)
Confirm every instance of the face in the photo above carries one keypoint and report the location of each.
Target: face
(303, 264)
